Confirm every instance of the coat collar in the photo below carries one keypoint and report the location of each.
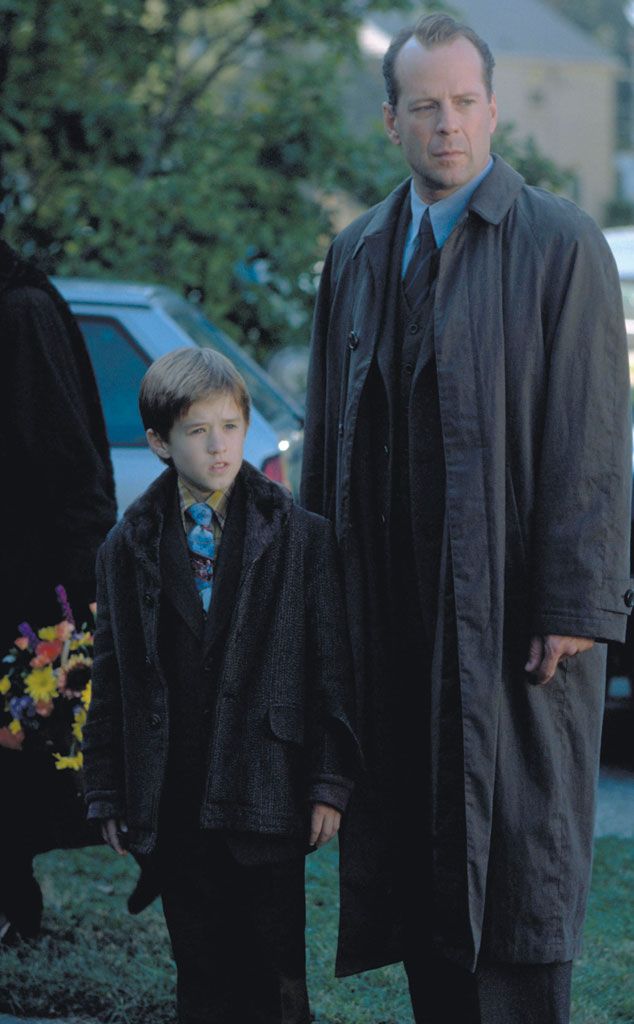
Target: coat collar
(492, 200)
(268, 506)
(495, 196)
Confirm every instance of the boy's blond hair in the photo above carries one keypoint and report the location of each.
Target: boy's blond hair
(175, 381)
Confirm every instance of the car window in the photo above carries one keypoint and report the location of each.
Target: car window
(276, 407)
(627, 288)
(119, 366)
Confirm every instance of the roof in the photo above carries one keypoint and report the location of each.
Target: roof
(527, 28)
(130, 293)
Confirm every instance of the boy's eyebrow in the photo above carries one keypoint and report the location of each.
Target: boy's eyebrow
(201, 423)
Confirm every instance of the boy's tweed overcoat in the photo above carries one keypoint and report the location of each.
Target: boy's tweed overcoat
(278, 691)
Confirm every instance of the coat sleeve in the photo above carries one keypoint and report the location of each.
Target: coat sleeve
(51, 433)
(103, 732)
(580, 572)
(333, 748)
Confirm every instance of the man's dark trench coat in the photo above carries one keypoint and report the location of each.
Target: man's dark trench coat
(533, 392)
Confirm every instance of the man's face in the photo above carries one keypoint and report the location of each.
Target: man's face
(443, 119)
(206, 444)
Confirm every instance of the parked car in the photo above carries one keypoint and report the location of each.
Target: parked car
(126, 326)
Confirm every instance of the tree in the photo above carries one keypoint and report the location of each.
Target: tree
(188, 142)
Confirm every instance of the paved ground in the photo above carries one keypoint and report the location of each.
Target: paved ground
(615, 812)
(615, 816)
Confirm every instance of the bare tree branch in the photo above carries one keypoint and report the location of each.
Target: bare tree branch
(180, 99)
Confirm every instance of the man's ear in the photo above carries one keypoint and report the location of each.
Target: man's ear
(157, 444)
(389, 120)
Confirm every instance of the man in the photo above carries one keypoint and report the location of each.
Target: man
(468, 431)
(58, 507)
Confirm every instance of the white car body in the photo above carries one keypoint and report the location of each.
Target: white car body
(126, 327)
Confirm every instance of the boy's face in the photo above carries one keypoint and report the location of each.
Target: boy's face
(205, 444)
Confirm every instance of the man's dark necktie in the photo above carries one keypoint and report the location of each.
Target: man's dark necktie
(202, 550)
(417, 275)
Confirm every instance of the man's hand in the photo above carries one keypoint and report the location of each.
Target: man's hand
(111, 831)
(324, 824)
(545, 653)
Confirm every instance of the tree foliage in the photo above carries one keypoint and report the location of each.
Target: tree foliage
(188, 142)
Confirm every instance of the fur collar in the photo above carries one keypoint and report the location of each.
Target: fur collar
(268, 507)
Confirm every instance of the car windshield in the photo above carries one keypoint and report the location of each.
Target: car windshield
(274, 405)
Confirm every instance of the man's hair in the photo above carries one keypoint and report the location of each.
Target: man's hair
(175, 381)
(435, 30)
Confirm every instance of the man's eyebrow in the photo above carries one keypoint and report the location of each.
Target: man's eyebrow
(428, 98)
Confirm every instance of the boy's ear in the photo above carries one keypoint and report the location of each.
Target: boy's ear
(157, 444)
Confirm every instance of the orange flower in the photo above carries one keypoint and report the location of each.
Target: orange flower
(93, 607)
(22, 643)
(46, 652)
(11, 740)
(64, 630)
(44, 707)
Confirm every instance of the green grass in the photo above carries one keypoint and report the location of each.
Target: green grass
(94, 960)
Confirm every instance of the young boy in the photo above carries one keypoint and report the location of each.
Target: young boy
(218, 741)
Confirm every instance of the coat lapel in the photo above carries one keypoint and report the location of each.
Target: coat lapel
(227, 576)
(176, 575)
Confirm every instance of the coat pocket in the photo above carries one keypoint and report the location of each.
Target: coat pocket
(286, 722)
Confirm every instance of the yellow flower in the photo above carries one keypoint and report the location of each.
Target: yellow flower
(5, 684)
(69, 762)
(47, 633)
(81, 641)
(15, 726)
(78, 724)
(40, 684)
(86, 695)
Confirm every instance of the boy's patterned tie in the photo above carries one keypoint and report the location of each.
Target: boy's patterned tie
(202, 550)
(417, 274)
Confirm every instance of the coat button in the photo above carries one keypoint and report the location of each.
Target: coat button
(208, 666)
(340, 430)
(155, 721)
(148, 661)
(149, 600)
(383, 518)
(353, 340)
(414, 328)
(628, 598)
(386, 449)
(409, 368)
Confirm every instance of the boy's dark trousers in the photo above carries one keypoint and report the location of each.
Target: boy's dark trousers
(234, 906)
(237, 932)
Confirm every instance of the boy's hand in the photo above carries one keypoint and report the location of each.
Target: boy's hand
(111, 831)
(324, 824)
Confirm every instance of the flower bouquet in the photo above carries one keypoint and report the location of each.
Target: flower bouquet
(45, 688)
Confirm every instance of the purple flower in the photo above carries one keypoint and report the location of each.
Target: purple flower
(27, 631)
(62, 597)
(22, 707)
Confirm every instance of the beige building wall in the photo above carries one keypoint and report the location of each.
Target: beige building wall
(569, 109)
